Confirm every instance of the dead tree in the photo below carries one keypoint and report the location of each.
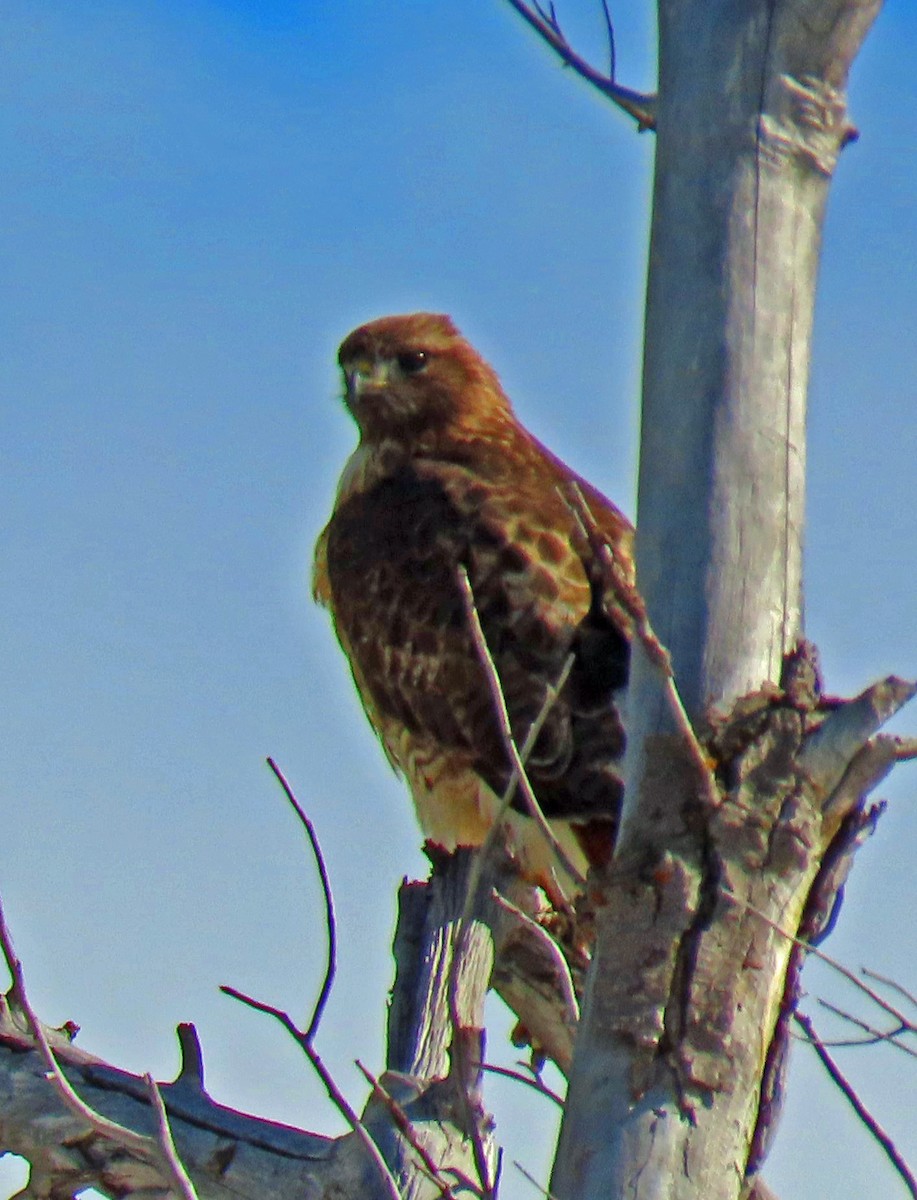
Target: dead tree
(678, 1055)
(747, 790)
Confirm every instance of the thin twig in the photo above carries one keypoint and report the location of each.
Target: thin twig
(176, 1170)
(629, 601)
(330, 925)
(875, 1035)
(336, 1096)
(893, 984)
(610, 30)
(486, 849)
(506, 729)
(859, 1107)
(518, 778)
(532, 1180)
(849, 975)
(135, 1143)
(405, 1126)
(536, 1084)
(638, 105)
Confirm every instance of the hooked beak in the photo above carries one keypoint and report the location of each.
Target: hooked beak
(362, 376)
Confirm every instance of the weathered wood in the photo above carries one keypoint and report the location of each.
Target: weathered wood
(750, 122)
(751, 119)
(682, 1044)
(438, 1088)
(231, 1156)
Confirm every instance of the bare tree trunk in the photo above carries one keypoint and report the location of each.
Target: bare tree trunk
(751, 118)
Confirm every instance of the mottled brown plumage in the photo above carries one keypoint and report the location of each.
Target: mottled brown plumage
(445, 475)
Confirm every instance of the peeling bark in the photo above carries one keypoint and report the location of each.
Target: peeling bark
(702, 937)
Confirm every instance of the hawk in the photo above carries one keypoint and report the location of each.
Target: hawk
(445, 477)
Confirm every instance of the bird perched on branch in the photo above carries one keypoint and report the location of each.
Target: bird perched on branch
(448, 497)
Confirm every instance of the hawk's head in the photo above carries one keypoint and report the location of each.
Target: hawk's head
(409, 375)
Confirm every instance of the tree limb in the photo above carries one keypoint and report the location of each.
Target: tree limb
(640, 106)
(879, 1134)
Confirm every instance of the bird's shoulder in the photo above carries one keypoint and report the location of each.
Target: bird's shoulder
(503, 505)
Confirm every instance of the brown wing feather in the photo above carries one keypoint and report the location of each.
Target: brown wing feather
(392, 554)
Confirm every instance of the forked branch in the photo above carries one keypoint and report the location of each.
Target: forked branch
(337, 1097)
(157, 1151)
(639, 105)
(879, 1134)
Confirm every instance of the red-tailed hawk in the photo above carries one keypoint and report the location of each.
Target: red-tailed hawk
(445, 477)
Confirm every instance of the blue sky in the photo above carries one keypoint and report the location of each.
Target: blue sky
(199, 201)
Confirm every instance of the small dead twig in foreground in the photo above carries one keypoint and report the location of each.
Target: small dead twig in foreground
(873, 1036)
(534, 1083)
(891, 1150)
(638, 105)
(532, 1180)
(834, 963)
(519, 776)
(404, 1125)
(335, 1094)
(330, 923)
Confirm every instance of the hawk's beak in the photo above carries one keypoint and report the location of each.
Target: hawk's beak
(364, 375)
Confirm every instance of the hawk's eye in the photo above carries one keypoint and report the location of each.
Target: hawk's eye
(412, 362)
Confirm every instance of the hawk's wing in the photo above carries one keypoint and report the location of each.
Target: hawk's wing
(387, 566)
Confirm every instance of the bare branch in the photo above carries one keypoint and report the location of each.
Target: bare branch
(610, 31)
(638, 105)
(404, 1125)
(486, 850)
(859, 1107)
(532, 1180)
(177, 1172)
(875, 1036)
(834, 963)
(506, 731)
(136, 1143)
(906, 749)
(893, 984)
(484, 856)
(336, 1096)
(534, 1082)
(830, 750)
(330, 925)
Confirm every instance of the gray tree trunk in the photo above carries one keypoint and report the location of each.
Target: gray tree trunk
(725, 848)
(751, 119)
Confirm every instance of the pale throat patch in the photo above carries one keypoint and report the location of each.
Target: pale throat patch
(367, 465)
